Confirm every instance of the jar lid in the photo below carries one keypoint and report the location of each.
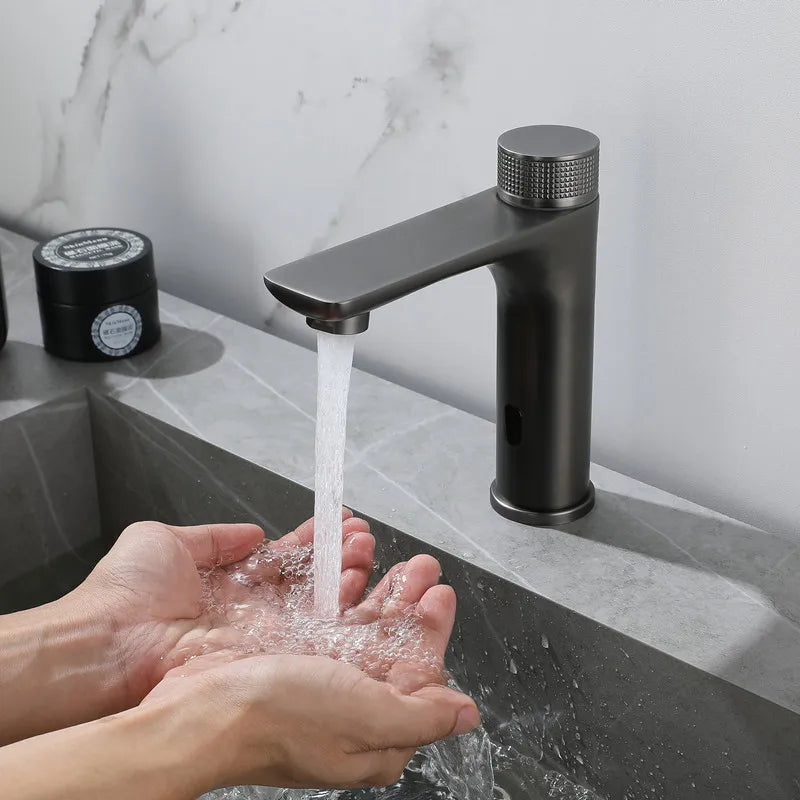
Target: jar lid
(94, 265)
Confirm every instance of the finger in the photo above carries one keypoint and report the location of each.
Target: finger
(437, 612)
(281, 560)
(218, 544)
(468, 716)
(352, 588)
(357, 558)
(406, 721)
(303, 534)
(354, 525)
(370, 609)
(267, 565)
(358, 551)
(420, 574)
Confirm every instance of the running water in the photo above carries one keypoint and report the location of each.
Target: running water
(334, 364)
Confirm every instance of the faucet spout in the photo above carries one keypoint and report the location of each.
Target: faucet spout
(537, 233)
(357, 277)
(347, 326)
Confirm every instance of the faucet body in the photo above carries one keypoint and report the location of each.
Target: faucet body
(543, 264)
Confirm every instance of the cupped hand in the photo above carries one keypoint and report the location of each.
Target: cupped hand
(150, 589)
(314, 721)
(306, 721)
(265, 605)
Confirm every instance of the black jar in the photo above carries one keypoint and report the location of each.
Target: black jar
(98, 298)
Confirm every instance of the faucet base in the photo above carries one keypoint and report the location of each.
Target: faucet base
(541, 519)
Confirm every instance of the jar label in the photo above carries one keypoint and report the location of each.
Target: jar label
(116, 330)
(90, 249)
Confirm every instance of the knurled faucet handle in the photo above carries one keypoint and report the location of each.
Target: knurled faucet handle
(547, 166)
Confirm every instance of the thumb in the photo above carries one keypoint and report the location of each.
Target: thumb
(429, 714)
(468, 716)
(219, 544)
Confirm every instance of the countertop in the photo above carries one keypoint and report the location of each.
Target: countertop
(716, 593)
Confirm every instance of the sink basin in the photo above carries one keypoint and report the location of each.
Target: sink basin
(563, 698)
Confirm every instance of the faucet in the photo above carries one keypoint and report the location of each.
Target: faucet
(537, 233)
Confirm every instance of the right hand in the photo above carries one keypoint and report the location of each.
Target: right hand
(313, 722)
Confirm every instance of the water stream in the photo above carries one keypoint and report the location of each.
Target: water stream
(334, 364)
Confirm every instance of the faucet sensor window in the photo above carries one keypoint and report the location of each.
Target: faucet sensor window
(513, 424)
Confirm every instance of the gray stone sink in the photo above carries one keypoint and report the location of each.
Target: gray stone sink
(560, 694)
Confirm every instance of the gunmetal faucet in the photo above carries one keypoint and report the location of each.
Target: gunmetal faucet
(537, 233)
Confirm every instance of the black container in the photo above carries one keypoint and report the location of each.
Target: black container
(98, 298)
(3, 317)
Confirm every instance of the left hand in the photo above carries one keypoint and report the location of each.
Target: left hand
(149, 589)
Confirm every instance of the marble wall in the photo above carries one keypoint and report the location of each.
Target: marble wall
(242, 134)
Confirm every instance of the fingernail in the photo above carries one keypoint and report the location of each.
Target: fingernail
(468, 718)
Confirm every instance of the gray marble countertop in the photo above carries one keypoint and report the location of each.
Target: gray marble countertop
(716, 593)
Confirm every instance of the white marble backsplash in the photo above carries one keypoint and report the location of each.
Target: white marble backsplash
(241, 134)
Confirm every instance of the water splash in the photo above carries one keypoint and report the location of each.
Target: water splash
(266, 605)
(469, 767)
(334, 365)
(456, 769)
